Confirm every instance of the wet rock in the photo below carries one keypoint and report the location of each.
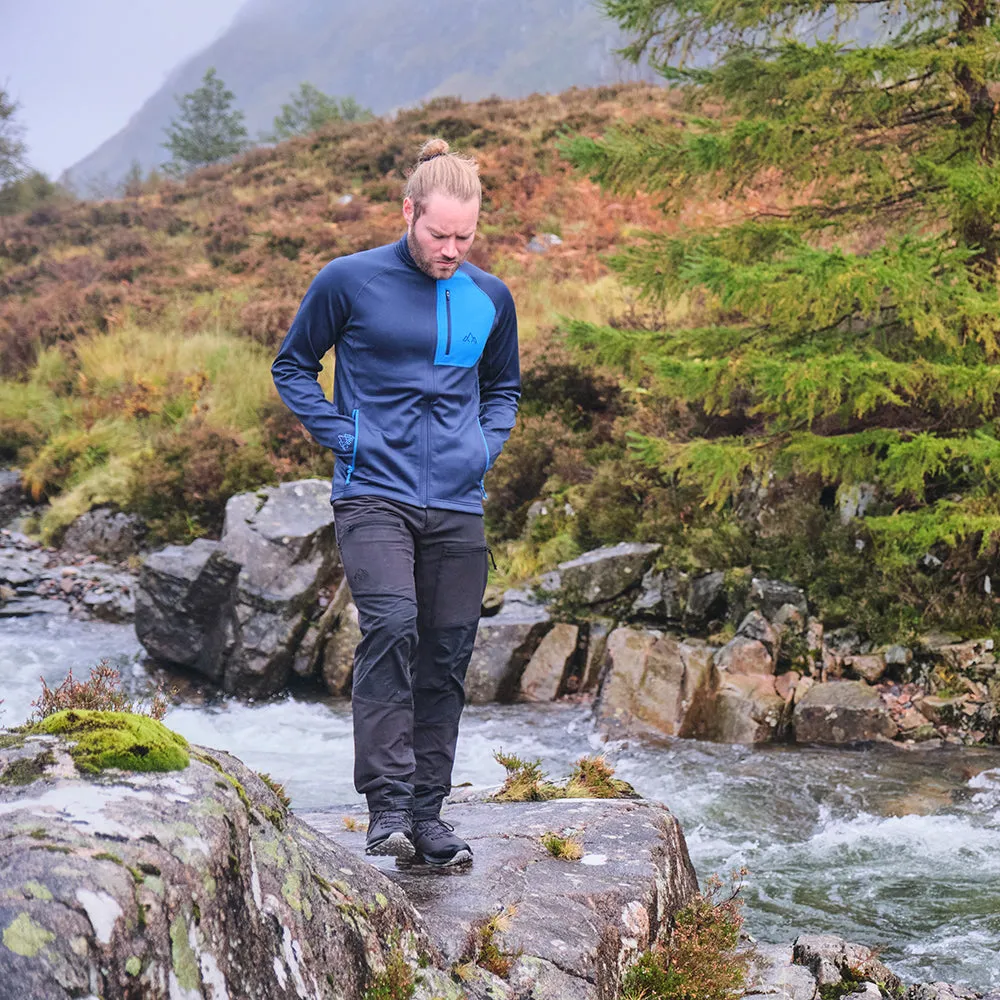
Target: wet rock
(773, 974)
(962, 656)
(607, 573)
(504, 645)
(543, 242)
(832, 960)
(105, 533)
(338, 653)
(868, 668)
(769, 596)
(12, 496)
(744, 656)
(597, 647)
(866, 991)
(547, 669)
(854, 500)
(785, 684)
(942, 711)
(653, 682)
(898, 656)
(842, 712)
(24, 607)
(746, 708)
(789, 619)
(283, 539)
(184, 606)
(649, 603)
(574, 925)
(706, 597)
(238, 610)
(180, 884)
(941, 991)
(756, 626)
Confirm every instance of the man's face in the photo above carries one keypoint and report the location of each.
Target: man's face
(442, 237)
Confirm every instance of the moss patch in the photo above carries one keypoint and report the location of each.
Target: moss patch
(118, 739)
(13, 740)
(37, 891)
(24, 937)
(27, 769)
(184, 959)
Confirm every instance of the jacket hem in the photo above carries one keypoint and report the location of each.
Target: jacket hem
(361, 490)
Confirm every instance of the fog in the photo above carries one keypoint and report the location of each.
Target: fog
(80, 70)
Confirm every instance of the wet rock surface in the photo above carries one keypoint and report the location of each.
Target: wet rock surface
(107, 534)
(505, 642)
(36, 579)
(239, 610)
(842, 712)
(569, 927)
(182, 884)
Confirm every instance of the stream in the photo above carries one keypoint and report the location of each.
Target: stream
(895, 849)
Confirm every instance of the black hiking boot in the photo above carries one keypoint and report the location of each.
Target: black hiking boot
(390, 832)
(437, 844)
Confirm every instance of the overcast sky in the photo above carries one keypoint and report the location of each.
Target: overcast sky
(80, 68)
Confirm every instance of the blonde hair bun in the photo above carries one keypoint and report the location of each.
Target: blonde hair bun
(432, 148)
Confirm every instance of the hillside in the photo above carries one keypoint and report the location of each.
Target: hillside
(136, 336)
(385, 53)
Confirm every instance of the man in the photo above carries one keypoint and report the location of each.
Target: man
(425, 395)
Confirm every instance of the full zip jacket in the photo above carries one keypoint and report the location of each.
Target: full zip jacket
(426, 381)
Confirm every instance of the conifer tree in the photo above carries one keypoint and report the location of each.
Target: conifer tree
(207, 129)
(12, 148)
(846, 316)
(310, 109)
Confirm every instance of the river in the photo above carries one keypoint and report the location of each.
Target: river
(895, 849)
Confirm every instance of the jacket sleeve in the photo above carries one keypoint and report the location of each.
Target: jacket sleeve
(500, 379)
(316, 328)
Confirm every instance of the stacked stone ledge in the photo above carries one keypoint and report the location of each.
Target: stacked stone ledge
(721, 656)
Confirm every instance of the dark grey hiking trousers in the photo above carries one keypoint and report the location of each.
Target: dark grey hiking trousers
(417, 577)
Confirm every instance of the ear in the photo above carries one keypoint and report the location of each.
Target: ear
(408, 211)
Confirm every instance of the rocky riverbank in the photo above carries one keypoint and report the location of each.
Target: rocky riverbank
(730, 657)
(197, 882)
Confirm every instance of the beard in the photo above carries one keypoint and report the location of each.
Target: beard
(431, 267)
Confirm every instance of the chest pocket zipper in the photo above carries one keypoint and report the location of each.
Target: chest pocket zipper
(447, 306)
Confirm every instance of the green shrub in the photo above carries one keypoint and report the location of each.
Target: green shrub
(699, 960)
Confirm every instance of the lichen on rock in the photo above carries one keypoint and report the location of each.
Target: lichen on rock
(117, 739)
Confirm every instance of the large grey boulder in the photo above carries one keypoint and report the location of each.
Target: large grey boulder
(604, 574)
(504, 645)
(842, 712)
(770, 596)
(706, 597)
(106, 533)
(244, 633)
(653, 683)
(569, 928)
(183, 606)
(180, 885)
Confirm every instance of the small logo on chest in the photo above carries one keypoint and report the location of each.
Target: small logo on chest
(469, 339)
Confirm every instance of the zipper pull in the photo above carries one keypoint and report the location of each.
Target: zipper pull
(482, 489)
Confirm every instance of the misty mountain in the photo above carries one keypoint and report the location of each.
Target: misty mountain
(385, 53)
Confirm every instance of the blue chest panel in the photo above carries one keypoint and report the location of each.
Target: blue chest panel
(465, 316)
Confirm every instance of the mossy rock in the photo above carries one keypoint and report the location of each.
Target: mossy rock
(117, 739)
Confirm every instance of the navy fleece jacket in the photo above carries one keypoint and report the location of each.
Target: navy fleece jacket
(426, 383)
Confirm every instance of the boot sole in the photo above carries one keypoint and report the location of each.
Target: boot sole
(396, 845)
(461, 857)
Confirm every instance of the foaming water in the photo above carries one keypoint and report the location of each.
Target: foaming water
(896, 850)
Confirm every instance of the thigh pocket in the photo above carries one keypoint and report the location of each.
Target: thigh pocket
(460, 584)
